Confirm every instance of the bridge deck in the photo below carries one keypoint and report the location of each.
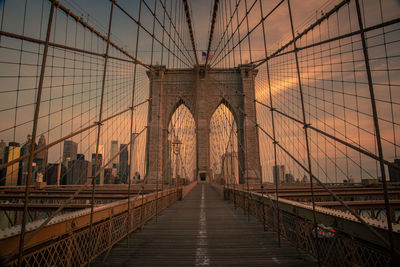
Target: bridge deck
(204, 230)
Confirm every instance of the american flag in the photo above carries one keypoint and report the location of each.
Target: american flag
(204, 55)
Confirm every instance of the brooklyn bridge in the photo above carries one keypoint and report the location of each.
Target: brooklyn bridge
(199, 133)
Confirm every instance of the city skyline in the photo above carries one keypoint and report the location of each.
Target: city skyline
(74, 101)
(267, 125)
(74, 168)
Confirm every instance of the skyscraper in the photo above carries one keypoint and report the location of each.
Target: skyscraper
(99, 159)
(278, 173)
(56, 174)
(101, 150)
(133, 160)
(123, 164)
(109, 178)
(78, 170)
(41, 157)
(113, 152)
(289, 178)
(2, 160)
(12, 152)
(394, 173)
(70, 151)
(2, 148)
(25, 149)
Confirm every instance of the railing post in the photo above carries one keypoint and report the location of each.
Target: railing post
(34, 132)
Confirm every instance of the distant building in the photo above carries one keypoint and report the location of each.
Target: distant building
(109, 177)
(394, 173)
(114, 163)
(70, 151)
(25, 149)
(100, 179)
(134, 165)
(100, 176)
(304, 180)
(78, 170)
(2, 148)
(278, 172)
(41, 157)
(101, 150)
(123, 164)
(56, 174)
(289, 178)
(12, 172)
(2, 160)
(114, 151)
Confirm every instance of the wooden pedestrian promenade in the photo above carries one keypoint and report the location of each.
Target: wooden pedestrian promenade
(203, 230)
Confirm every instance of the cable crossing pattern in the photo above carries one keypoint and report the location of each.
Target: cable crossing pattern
(109, 112)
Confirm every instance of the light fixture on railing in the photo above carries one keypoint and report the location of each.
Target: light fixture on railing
(176, 146)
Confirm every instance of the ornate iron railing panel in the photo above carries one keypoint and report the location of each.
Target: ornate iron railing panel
(74, 248)
(333, 248)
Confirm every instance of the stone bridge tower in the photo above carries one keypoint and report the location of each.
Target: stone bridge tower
(202, 92)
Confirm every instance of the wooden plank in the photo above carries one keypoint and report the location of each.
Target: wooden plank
(204, 232)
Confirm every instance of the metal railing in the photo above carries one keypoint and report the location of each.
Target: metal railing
(66, 242)
(332, 246)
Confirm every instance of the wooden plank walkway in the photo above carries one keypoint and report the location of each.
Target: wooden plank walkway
(204, 230)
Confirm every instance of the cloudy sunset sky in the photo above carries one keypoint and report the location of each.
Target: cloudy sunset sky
(333, 74)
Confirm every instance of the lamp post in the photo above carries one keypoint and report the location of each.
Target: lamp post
(176, 149)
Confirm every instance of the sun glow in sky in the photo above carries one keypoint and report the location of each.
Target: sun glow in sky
(333, 75)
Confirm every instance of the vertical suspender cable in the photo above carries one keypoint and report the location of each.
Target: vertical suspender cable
(238, 31)
(34, 132)
(213, 19)
(377, 130)
(305, 122)
(248, 34)
(131, 127)
(99, 124)
(273, 128)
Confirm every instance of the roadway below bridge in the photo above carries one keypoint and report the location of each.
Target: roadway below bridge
(203, 230)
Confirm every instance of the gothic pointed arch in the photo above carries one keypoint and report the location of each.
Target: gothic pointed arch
(177, 104)
(181, 143)
(225, 153)
(232, 109)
